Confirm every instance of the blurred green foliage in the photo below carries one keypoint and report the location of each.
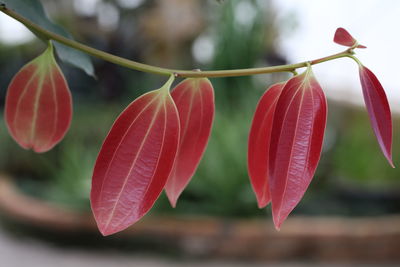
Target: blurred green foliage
(357, 155)
(238, 45)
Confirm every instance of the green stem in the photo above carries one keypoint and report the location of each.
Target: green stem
(165, 71)
(167, 86)
(356, 60)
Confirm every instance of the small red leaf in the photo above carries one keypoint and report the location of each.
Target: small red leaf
(343, 37)
(378, 110)
(38, 108)
(194, 99)
(259, 144)
(296, 142)
(135, 161)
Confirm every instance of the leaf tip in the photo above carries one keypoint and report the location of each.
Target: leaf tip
(106, 232)
(277, 225)
(173, 200)
(103, 229)
(391, 163)
(279, 219)
(261, 205)
(39, 149)
(172, 192)
(263, 202)
(107, 229)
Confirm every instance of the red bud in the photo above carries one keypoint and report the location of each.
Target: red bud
(343, 37)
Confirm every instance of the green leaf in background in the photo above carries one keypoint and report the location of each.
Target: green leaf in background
(33, 10)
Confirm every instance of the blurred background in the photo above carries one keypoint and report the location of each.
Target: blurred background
(350, 213)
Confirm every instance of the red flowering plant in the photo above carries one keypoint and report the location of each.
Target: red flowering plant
(158, 140)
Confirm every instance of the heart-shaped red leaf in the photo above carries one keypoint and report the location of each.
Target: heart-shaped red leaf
(194, 99)
(378, 110)
(296, 142)
(135, 161)
(38, 108)
(259, 143)
(343, 37)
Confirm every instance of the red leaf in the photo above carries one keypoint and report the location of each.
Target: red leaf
(135, 161)
(194, 99)
(296, 142)
(259, 144)
(38, 107)
(343, 37)
(378, 110)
